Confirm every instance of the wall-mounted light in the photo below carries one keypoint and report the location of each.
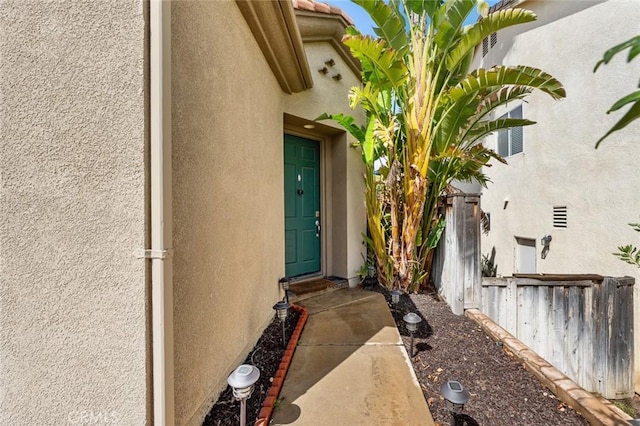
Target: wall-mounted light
(337, 77)
(330, 62)
(241, 381)
(411, 321)
(456, 396)
(282, 309)
(323, 70)
(546, 242)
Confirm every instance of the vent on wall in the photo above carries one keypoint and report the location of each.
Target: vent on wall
(559, 216)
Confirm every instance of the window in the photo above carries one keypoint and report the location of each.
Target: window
(510, 140)
(559, 216)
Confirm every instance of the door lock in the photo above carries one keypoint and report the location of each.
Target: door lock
(317, 228)
(300, 191)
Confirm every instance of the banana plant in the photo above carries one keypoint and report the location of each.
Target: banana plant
(426, 117)
(633, 98)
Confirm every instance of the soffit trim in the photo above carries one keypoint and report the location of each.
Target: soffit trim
(273, 24)
(330, 28)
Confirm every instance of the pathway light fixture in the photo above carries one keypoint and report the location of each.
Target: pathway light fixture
(285, 282)
(371, 271)
(395, 298)
(282, 309)
(241, 381)
(456, 396)
(411, 321)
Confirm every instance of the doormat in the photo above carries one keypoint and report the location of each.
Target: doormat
(317, 285)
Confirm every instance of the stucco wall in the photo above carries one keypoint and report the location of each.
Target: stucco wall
(228, 201)
(348, 210)
(72, 194)
(559, 165)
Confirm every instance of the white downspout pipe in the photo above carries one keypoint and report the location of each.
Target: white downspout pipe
(161, 215)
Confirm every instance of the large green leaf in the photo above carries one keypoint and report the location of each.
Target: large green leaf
(508, 75)
(484, 28)
(435, 234)
(501, 96)
(421, 7)
(631, 97)
(346, 121)
(390, 24)
(633, 44)
(386, 66)
(453, 121)
(483, 128)
(448, 29)
(368, 144)
(631, 115)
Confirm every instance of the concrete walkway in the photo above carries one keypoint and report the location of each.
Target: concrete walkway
(350, 367)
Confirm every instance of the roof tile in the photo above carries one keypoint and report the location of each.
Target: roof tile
(314, 6)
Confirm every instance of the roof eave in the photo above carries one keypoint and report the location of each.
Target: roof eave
(329, 28)
(274, 26)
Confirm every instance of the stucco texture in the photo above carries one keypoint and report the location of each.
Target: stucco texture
(228, 201)
(229, 116)
(73, 302)
(348, 213)
(559, 166)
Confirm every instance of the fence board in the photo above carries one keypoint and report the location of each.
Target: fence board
(557, 324)
(585, 329)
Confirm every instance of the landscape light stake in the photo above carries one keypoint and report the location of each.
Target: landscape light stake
(395, 298)
(282, 308)
(241, 381)
(456, 396)
(412, 320)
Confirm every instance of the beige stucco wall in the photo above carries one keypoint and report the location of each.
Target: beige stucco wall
(348, 214)
(228, 200)
(73, 300)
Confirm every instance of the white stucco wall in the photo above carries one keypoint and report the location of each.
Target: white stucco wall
(73, 299)
(559, 165)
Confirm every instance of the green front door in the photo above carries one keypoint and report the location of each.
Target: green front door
(301, 205)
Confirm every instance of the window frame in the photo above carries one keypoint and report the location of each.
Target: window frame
(516, 112)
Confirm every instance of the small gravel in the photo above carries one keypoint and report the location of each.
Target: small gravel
(453, 347)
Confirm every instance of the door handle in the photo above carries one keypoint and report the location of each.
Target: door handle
(317, 228)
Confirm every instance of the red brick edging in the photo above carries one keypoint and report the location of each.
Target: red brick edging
(269, 403)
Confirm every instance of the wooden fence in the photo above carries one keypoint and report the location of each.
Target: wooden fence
(456, 263)
(583, 325)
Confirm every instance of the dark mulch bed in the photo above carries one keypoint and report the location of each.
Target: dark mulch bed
(266, 355)
(447, 347)
(453, 347)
